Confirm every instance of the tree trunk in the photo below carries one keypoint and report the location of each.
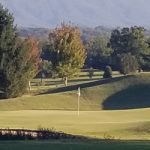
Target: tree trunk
(29, 86)
(66, 81)
(41, 81)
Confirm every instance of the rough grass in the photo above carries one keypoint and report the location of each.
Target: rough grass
(75, 145)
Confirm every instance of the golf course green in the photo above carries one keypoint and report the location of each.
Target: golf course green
(111, 110)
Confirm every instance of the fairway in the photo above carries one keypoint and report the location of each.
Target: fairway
(75, 145)
(127, 124)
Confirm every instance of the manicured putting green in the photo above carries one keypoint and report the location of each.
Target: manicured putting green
(127, 124)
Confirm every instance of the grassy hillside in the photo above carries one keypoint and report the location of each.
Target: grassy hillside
(50, 109)
(117, 93)
(121, 93)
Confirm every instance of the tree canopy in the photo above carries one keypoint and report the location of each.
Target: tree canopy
(68, 51)
(130, 41)
(98, 52)
(18, 58)
(127, 40)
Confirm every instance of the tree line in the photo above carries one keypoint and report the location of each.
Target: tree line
(126, 50)
(65, 53)
(22, 59)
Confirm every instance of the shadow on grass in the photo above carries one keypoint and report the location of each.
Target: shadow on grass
(70, 81)
(133, 97)
(58, 82)
(40, 134)
(83, 85)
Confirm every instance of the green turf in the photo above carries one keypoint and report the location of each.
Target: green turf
(117, 93)
(127, 124)
(55, 83)
(74, 146)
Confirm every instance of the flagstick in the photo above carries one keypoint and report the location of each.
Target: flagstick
(78, 105)
(79, 94)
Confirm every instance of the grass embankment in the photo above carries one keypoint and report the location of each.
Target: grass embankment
(112, 94)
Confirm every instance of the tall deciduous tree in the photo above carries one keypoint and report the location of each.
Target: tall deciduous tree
(99, 46)
(30, 58)
(18, 59)
(130, 40)
(98, 52)
(68, 51)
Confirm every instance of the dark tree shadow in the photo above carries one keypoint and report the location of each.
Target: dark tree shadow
(84, 85)
(133, 97)
(57, 82)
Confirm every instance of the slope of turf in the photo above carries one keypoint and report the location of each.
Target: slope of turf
(50, 109)
(116, 93)
(128, 92)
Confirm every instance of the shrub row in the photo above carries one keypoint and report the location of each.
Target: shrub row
(40, 134)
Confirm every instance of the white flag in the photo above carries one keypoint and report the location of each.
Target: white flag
(79, 92)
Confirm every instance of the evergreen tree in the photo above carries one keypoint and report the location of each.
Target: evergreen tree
(18, 59)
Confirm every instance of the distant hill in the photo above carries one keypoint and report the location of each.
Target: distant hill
(42, 33)
(86, 33)
(39, 33)
(90, 13)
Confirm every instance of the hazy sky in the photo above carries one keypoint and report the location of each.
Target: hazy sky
(48, 13)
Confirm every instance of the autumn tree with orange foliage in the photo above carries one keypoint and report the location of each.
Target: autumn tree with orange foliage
(31, 57)
(68, 51)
